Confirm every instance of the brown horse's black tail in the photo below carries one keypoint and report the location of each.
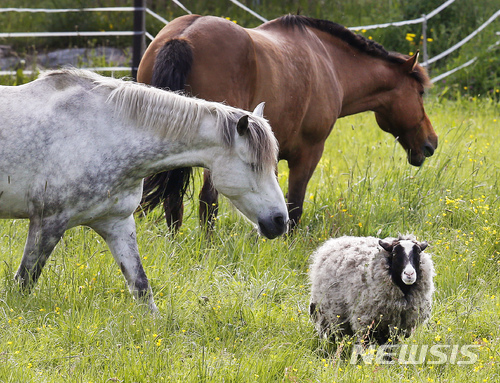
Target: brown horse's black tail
(172, 65)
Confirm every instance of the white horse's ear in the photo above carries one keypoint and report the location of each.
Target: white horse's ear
(259, 110)
(242, 125)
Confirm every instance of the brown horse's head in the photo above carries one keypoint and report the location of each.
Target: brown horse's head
(402, 114)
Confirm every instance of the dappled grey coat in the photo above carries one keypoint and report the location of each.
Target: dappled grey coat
(352, 291)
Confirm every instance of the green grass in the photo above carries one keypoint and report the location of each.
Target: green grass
(235, 308)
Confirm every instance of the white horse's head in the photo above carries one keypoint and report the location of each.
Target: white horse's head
(245, 172)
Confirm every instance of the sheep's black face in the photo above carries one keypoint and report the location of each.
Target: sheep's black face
(404, 262)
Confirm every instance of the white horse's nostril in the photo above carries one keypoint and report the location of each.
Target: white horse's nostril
(279, 220)
(273, 226)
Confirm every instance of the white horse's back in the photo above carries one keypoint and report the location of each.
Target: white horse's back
(59, 136)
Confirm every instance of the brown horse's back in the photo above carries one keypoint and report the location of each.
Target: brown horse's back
(173, 30)
(223, 67)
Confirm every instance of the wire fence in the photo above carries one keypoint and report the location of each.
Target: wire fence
(76, 33)
(140, 33)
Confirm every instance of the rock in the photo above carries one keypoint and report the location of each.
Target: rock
(77, 57)
(5, 50)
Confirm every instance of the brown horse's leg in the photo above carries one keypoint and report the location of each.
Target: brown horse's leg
(301, 169)
(209, 206)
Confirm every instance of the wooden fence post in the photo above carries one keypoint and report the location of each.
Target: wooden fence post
(139, 44)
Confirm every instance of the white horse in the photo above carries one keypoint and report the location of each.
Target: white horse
(75, 146)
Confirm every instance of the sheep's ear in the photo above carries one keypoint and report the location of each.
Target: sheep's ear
(387, 246)
(423, 245)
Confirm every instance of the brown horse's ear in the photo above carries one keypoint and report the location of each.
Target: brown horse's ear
(411, 63)
(242, 125)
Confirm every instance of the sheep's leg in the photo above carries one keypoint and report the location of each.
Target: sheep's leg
(43, 236)
(120, 235)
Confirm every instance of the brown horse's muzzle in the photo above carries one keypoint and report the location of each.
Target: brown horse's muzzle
(417, 157)
(419, 141)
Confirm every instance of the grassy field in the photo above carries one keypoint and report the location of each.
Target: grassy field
(234, 308)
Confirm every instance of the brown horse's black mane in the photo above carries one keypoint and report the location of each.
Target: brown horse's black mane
(359, 42)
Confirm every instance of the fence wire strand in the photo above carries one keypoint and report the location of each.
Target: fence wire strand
(49, 10)
(462, 42)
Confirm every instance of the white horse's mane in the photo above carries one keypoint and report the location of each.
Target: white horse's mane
(173, 116)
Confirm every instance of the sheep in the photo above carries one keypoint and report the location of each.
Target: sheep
(368, 287)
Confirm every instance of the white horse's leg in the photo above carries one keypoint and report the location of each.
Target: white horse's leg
(120, 236)
(43, 236)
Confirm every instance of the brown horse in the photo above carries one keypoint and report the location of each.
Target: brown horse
(309, 72)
